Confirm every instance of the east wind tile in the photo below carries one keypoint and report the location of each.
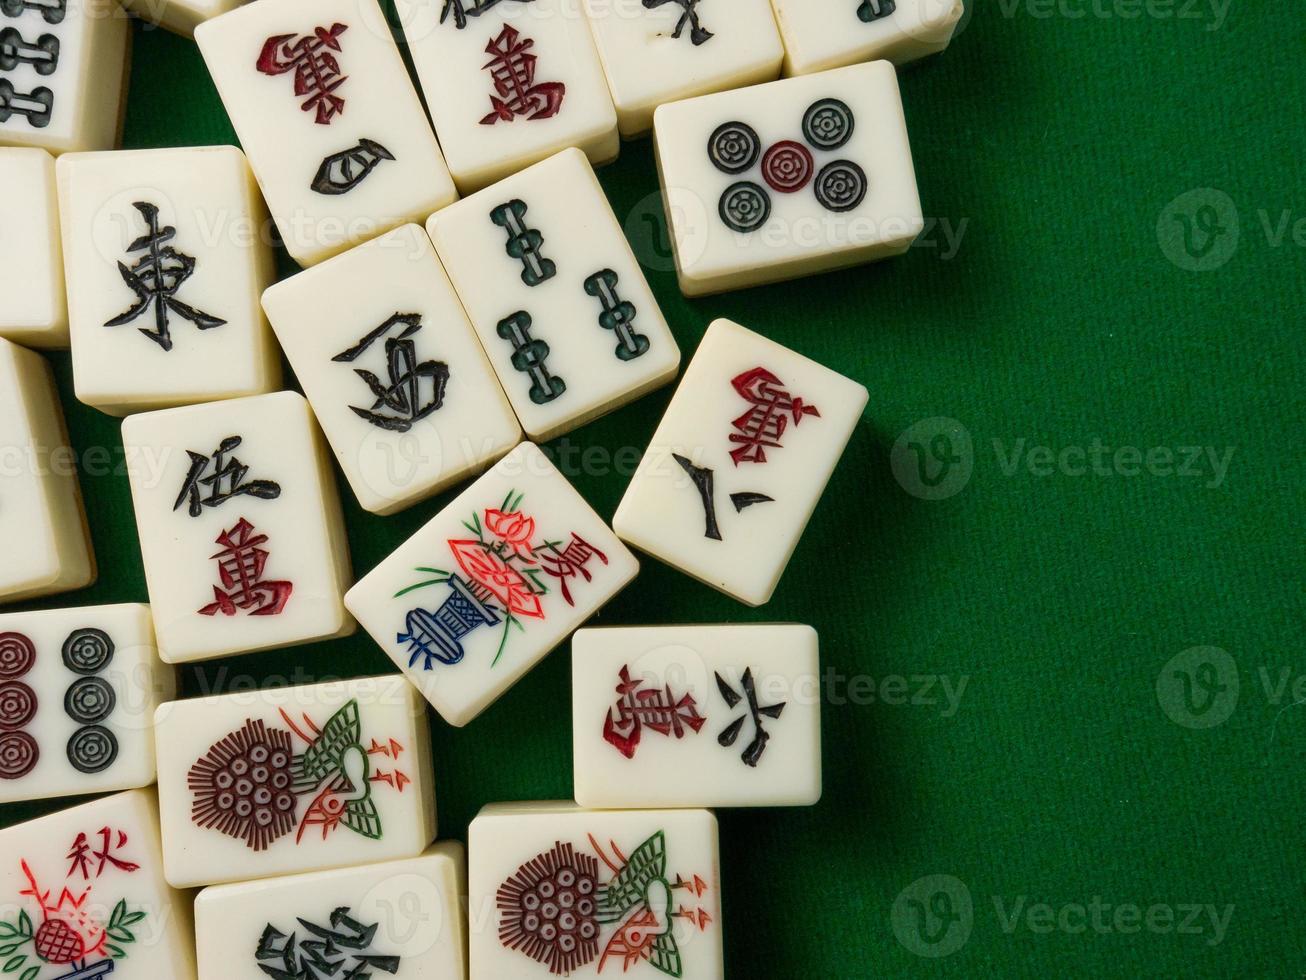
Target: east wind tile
(165, 255)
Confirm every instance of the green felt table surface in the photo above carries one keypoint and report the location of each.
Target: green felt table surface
(1064, 660)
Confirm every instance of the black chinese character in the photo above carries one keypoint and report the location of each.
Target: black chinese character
(705, 482)
(753, 752)
(413, 390)
(155, 279)
(226, 480)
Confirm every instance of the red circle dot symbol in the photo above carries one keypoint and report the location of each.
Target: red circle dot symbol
(787, 167)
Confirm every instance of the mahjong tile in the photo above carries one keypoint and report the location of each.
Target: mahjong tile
(393, 369)
(63, 73)
(165, 253)
(556, 295)
(42, 520)
(35, 312)
(82, 896)
(402, 919)
(662, 50)
(240, 526)
(834, 33)
(555, 890)
(787, 179)
(672, 716)
(491, 584)
(739, 461)
(179, 16)
(293, 779)
(509, 83)
(323, 105)
(78, 689)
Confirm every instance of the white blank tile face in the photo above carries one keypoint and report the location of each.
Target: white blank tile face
(568, 892)
(832, 33)
(61, 87)
(696, 716)
(739, 461)
(400, 919)
(240, 526)
(82, 894)
(78, 689)
(787, 179)
(495, 581)
(35, 313)
(137, 223)
(661, 53)
(509, 83)
(394, 371)
(556, 295)
(334, 130)
(48, 545)
(275, 782)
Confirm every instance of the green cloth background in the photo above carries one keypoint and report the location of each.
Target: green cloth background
(1059, 596)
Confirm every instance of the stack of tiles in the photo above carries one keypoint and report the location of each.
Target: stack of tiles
(292, 780)
(78, 691)
(42, 522)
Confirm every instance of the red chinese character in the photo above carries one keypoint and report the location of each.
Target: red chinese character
(317, 72)
(513, 70)
(240, 569)
(763, 424)
(571, 562)
(83, 855)
(640, 708)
